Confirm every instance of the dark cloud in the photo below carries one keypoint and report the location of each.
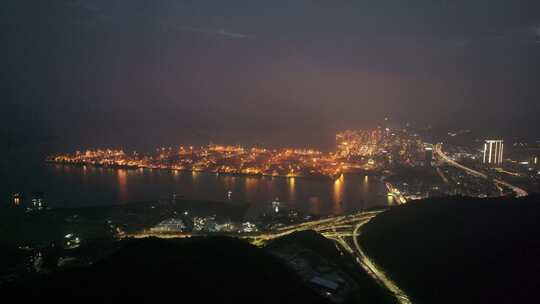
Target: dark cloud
(282, 72)
(220, 32)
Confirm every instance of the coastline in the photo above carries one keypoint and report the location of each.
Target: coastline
(172, 169)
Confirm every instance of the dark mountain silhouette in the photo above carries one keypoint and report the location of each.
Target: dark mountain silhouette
(460, 250)
(203, 270)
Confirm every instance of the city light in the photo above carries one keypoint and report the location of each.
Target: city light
(363, 150)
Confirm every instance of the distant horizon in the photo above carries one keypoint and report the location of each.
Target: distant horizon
(59, 144)
(138, 73)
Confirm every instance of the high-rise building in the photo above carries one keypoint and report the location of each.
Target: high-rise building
(493, 152)
(17, 199)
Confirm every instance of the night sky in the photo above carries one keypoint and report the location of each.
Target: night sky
(139, 73)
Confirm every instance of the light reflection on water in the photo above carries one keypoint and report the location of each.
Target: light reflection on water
(122, 185)
(78, 186)
(292, 189)
(251, 188)
(338, 192)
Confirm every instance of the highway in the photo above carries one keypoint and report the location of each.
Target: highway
(344, 230)
(399, 198)
(438, 151)
(375, 271)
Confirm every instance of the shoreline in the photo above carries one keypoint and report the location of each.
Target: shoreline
(129, 167)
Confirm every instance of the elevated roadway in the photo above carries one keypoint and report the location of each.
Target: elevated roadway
(438, 151)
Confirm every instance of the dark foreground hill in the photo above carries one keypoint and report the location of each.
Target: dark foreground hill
(203, 270)
(320, 256)
(460, 250)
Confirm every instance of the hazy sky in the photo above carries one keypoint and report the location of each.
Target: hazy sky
(134, 72)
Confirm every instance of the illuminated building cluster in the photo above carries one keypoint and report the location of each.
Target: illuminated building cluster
(493, 152)
(169, 225)
(358, 143)
(363, 150)
(379, 148)
(214, 158)
(202, 224)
